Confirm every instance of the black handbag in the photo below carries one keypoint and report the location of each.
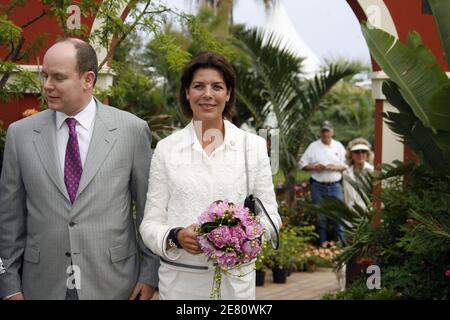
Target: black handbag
(256, 206)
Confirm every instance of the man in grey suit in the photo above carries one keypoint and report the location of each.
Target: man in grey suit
(70, 175)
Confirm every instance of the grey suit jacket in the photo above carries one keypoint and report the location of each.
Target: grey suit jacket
(41, 232)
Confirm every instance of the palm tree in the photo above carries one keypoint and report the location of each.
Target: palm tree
(275, 84)
(224, 8)
(351, 109)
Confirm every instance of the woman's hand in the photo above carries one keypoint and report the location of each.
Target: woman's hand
(187, 237)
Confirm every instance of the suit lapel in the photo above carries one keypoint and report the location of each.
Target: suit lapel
(45, 145)
(102, 141)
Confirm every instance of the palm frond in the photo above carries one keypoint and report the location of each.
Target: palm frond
(432, 226)
(363, 186)
(411, 130)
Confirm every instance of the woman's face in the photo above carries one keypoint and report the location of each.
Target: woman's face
(207, 95)
(359, 156)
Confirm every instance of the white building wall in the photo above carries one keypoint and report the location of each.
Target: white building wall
(379, 16)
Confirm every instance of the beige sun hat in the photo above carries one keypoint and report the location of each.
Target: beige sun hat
(360, 147)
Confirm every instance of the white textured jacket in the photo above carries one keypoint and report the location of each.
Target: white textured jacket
(184, 180)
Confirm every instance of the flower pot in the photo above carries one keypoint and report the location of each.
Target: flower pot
(311, 266)
(260, 277)
(356, 267)
(279, 275)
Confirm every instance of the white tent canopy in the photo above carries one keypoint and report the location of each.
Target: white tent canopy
(278, 22)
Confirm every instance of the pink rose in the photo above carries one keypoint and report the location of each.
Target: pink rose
(227, 259)
(220, 236)
(251, 248)
(206, 246)
(253, 230)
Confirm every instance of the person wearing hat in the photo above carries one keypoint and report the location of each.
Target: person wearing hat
(325, 158)
(358, 157)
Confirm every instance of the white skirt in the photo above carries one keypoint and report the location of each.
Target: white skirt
(177, 283)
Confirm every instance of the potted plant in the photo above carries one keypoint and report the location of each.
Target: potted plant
(260, 277)
(281, 260)
(260, 266)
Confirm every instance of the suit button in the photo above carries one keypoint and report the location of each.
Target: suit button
(71, 224)
(68, 254)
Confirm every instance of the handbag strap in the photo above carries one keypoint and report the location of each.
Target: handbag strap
(246, 164)
(256, 199)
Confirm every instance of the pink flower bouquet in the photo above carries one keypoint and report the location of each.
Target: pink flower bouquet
(230, 235)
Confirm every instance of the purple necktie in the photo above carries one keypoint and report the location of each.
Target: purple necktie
(72, 163)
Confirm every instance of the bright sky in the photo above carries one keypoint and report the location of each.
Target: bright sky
(328, 27)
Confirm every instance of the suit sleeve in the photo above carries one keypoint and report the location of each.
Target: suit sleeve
(12, 219)
(139, 184)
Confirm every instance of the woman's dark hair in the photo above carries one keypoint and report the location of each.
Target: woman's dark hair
(208, 60)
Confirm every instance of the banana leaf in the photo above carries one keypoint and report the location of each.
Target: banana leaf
(413, 133)
(441, 10)
(415, 70)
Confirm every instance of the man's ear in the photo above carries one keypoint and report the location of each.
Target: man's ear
(89, 79)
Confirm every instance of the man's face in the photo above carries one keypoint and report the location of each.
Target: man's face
(326, 135)
(65, 88)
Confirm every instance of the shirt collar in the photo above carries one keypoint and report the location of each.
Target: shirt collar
(85, 118)
(230, 140)
(327, 145)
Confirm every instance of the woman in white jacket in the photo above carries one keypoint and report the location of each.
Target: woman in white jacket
(359, 158)
(195, 166)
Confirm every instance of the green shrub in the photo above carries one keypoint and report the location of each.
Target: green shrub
(293, 240)
(409, 238)
(359, 291)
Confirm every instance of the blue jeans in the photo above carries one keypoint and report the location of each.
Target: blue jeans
(319, 193)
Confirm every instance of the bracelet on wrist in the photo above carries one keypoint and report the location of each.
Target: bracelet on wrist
(172, 238)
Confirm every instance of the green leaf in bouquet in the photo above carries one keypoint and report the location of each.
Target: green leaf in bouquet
(208, 227)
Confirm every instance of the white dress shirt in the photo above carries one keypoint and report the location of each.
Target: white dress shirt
(85, 128)
(183, 181)
(319, 152)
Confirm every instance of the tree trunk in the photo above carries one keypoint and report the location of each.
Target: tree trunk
(290, 187)
(224, 14)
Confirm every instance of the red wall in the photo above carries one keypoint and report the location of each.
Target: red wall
(48, 26)
(361, 15)
(408, 17)
(13, 110)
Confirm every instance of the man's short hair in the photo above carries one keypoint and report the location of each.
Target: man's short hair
(86, 56)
